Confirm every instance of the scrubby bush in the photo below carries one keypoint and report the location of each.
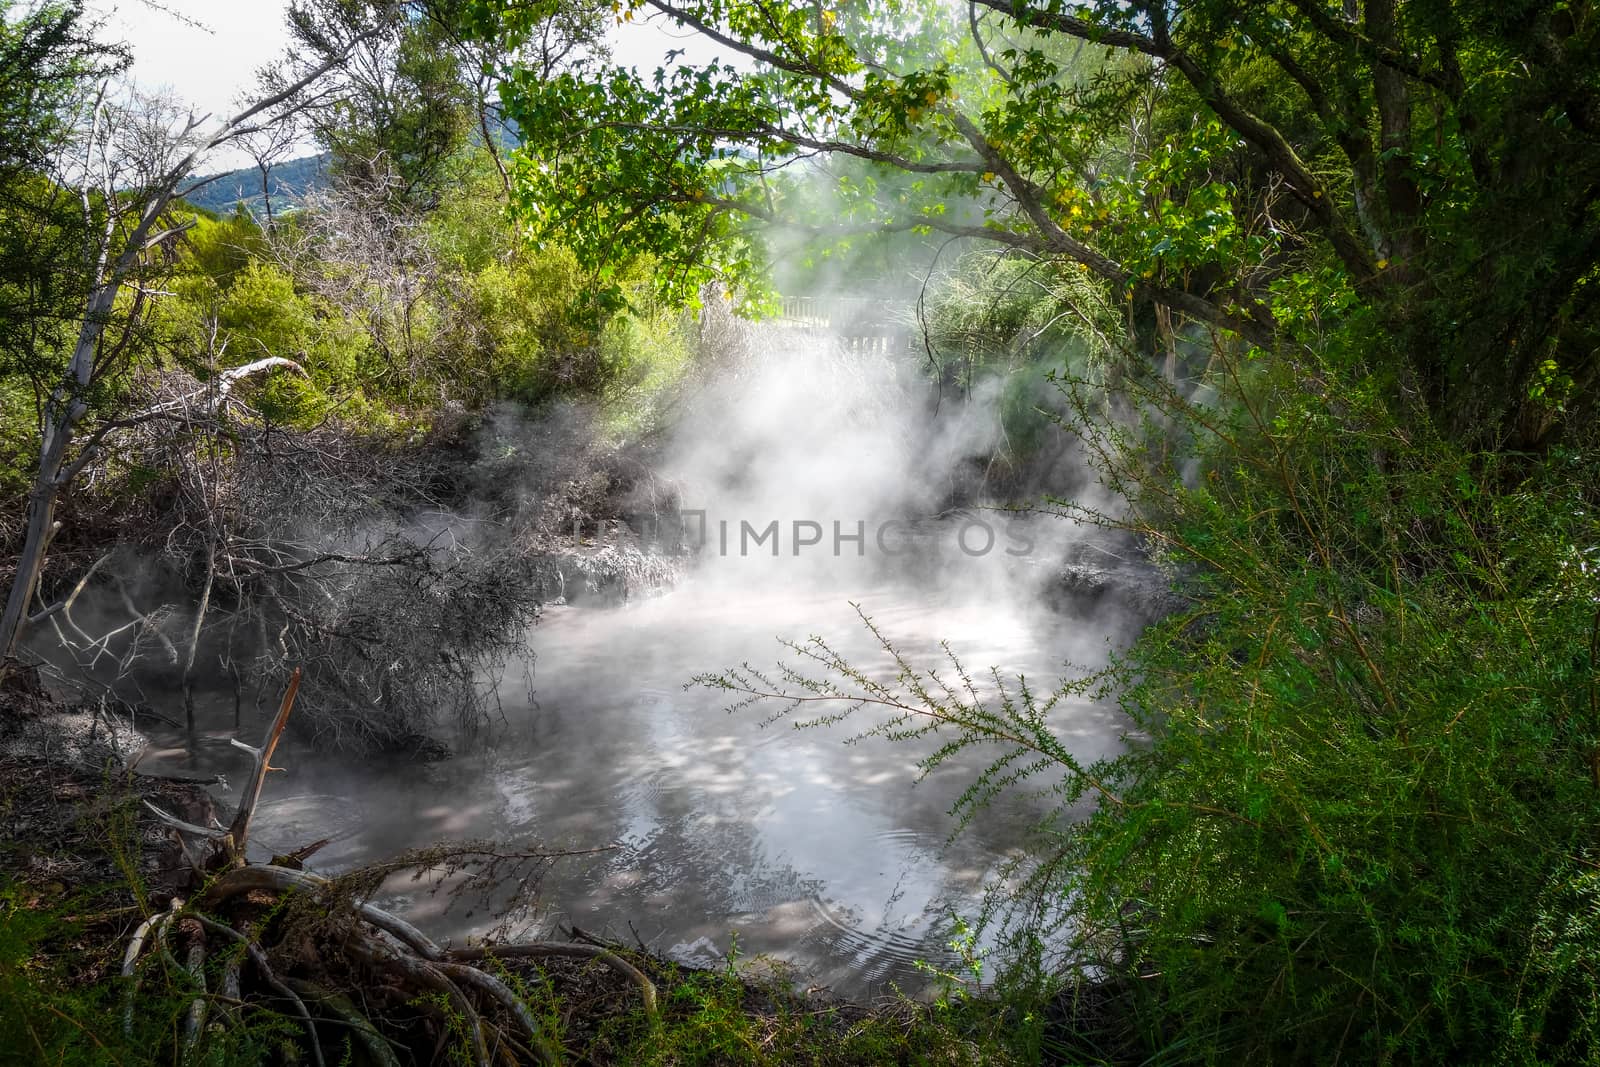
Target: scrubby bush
(1364, 816)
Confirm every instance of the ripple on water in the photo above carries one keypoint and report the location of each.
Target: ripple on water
(883, 923)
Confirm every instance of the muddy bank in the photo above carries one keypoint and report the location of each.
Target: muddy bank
(72, 816)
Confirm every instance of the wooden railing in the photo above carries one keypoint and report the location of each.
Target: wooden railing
(860, 324)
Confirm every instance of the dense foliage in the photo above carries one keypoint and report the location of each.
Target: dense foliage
(1364, 823)
(1430, 167)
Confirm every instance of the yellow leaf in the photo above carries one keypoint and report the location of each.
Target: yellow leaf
(988, 175)
(1383, 264)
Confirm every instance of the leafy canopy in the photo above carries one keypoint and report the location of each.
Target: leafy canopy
(1425, 172)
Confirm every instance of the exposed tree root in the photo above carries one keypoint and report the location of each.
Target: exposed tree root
(310, 940)
(130, 958)
(338, 1005)
(269, 979)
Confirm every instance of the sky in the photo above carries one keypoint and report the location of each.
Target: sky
(207, 51)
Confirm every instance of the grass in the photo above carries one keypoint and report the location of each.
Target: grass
(61, 1003)
(727, 1016)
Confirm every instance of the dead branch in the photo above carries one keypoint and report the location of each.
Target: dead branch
(271, 980)
(194, 1020)
(130, 958)
(239, 828)
(235, 835)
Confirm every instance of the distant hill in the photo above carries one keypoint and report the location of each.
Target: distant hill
(291, 181)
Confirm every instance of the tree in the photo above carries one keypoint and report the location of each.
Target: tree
(129, 163)
(269, 145)
(46, 52)
(47, 55)
(1424, 173)
(1359, 819)
(411, 88)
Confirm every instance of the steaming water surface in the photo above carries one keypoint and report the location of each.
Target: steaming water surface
(825, 854)
(819, 852)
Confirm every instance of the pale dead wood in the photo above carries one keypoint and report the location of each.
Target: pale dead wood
(239, 828)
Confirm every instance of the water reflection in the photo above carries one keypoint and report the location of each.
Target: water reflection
(821, 853)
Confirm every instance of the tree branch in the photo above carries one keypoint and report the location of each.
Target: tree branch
(1355, 256)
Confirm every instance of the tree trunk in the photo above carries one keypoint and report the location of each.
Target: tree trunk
(41, 523)
(194, 644)
(61, 419)
(266, 197)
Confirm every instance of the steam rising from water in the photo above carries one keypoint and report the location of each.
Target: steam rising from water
(852, 457)
(821, 853)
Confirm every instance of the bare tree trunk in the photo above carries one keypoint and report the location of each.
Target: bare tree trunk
(41, 524)
(266, 195)
(62, 415)
(194, 643)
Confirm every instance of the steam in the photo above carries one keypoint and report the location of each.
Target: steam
(840, 475)
(840, 470)
(820, 853)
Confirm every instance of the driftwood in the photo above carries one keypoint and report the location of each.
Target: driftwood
(499, 1026)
